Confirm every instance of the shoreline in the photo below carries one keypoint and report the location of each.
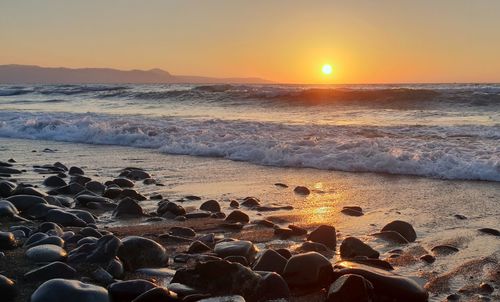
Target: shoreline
(330, 192)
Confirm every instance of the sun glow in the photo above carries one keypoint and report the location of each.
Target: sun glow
(326, 69)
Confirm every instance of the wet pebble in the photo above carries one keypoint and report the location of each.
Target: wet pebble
(324, 234)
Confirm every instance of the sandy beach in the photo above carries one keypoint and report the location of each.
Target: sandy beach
(431, 206)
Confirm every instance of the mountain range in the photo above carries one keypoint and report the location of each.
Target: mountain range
(32, 74)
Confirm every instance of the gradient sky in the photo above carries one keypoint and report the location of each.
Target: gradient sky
(284, 41)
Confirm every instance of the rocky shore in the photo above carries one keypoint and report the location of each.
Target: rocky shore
(54, 245)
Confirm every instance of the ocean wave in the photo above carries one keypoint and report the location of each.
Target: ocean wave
(446, 152)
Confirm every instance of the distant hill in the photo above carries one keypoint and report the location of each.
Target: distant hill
(31, 74)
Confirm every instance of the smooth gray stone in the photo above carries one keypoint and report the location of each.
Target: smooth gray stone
(350, 287)
(128, 207)
(138, 252)
(46, 253)
(8, 289)
(62, 290)
(402, 227)
(64, 218)
(308, 270)
(23, 202)
(51, 271)
(353, 247)
(324, 234)
(129, 290)
(7, 241)
(236, 248)
(270, 261)
(55, 240)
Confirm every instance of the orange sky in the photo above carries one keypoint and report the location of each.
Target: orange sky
(284, 41)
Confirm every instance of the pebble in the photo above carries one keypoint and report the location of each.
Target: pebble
(270, 261)
(238, 216)
(54, 181)
(123, 182)
(444, 249)
(64, 218)
(302, 190)
(350, 288)
(391, 236)
(128, 208)
(272, 287)
(211, 206)
(308, 270)
(490, 231)
(51, 271)
(157, 294)
(402, 227)
(23, 202)
(428, 258)
(138, 252)
(62, 290)
(250, 202)
(126, 291)
(324, 234)
(8, 289)
(46, 253)
(236, 248)
(352, 247)
(352, 211)
(76, 171)
(182, 231)
(7, 241)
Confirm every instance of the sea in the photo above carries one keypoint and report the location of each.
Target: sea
(443, 131)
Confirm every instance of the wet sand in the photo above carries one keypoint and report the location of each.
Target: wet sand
(428, 204)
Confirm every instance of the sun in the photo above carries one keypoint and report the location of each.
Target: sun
(326, 69)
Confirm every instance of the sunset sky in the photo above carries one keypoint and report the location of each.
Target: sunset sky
(283, 41)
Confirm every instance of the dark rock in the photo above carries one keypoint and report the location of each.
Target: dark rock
(8, 289)
(46, 253)
(156, 197)
(198, 247)
(265, 223)
(123, 182)
(283, 232)
(95, 186)
(137, 252)
(238, 216)
(302, 190)
(250, 202)
(211, 206)
(428, 258)
(310, 246)
(387, 285)
(404, 228)
(115, 268)
(459, 216)
(132, 194)
(350, 288)
(272, 208)
(8, 211)
(61, 290)
(50, 228)
(54, 181)
(297, 231)
(157, 294)
(76, 171)
(128, 208)
(236, 248)
(24, 190)
(112, 192)
(197, 214)
(36, 237)
(83, 215)
(7, 241)
(284, 252)
(352, 247)
(281, 185)
(170, 208)
(272, 287)
(324, 234)
(102, 276)
(51, 271)
(309, 270)
(219, 277)
(55, 240)
(234, 204)
(84, 199)
(39, 211)
(106, 249)
(391, 236)
(490, 231)
(6, 188)
(382, 264)
(237, 259)
(351, 212)
(192, 197)
(126, 291)
(444, 249)
(137, 174)
(64, 218)
(486, 288)
(270, 261)
(23, 202)
(8, 170)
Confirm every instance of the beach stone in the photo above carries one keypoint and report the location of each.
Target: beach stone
(60, 166)
(95, 186)
(102, 276)
(324, 234)
(7, 210)
(490, 231)
(76, 171)
(272, 287)
(170, 208)
(106, 249)
(7, 241)
(123, 182)
(46, 253)
(404, 228)
(6, 188)
(128, 207)
(382, 264)
(50, 228)
(211, 206)
(237, 259)
(137, 174)
(88, 231)
(64, 218)
(270, 261)
(115, 268)
(444, 249)
(391, 236)
(126, 291)
(283, 232)
(460, 216)
(157, 294)
(30, 191)
(350, 288)
(23, 202)
(182, 231)
(54, 181)
(428, 258)
(51, 271)
(84, 199)
(198, 247)
(250, 202)
(112, 192)
(237, 216)
(236, 248)
(310, 246)
(265, 223)
(80, 179)
(219, 277)
(36, 237)
(192, 197)
(387, 286)
(297, 231)
(486, 288)
(83, 215)
(308, 270)
(352, 211)
(86, 240)
(62, 290)
(132, 194)
(55, 240)
(39, 211)
(8, 170)
(284, 252)
(302, 190)
(234, 204)
(137, 252)
(197, 214)
(353, 247)
(8, 289)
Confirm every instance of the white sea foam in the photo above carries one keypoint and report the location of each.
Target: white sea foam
(448, 152)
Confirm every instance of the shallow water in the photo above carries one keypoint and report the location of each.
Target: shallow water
(428, 204)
